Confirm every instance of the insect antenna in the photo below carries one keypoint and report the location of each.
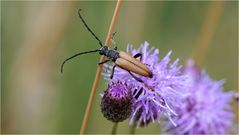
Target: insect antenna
(63, 63)
(89, 28)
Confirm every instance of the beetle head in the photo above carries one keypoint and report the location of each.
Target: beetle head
(103, 50)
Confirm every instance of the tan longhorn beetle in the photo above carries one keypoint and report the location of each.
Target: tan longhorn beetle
(121, 59)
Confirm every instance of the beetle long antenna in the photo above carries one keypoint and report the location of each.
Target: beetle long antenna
(63, 63)
(88, 28)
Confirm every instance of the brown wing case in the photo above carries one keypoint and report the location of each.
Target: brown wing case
(125, 64)
(136, 62)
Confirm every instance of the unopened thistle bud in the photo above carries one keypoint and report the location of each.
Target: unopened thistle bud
(117, 102)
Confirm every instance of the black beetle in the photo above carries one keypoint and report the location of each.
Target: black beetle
(120, 58)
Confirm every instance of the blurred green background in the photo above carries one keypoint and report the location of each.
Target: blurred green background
(37, 36)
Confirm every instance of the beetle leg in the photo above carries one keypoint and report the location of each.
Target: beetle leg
(138, 55)
(112, 73)
(103, 62)
(112, 38)
(113, 35)
(136, 78)
(112, 41)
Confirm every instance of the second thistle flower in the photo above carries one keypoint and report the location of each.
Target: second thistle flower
(206, 109)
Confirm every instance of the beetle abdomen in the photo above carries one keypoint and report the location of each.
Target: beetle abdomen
(136, 62)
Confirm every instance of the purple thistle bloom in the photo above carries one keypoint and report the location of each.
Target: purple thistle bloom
(206, 109)
(157, 96)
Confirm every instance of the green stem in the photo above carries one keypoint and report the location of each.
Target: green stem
(114, 129)
(133, 128)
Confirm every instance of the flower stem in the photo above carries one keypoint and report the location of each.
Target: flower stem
(99, 70)
(114, 129)
(133, 128)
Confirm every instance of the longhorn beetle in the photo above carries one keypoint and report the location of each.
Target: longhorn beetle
(120, 58)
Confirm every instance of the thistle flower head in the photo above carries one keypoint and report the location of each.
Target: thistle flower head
(116, 103)
(157, 96)
(206, 109)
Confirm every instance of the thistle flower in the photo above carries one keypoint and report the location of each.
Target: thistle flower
(157, 96)
(116, 103)
(206, 109)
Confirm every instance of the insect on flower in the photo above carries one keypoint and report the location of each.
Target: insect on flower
(154, 98)
(120, 58)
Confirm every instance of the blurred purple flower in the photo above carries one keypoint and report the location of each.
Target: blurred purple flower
(206, 109)
(157, 96)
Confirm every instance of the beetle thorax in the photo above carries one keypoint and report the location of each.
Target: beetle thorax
(112, 55)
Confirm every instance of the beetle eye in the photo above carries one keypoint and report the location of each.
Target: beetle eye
(100, 52)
